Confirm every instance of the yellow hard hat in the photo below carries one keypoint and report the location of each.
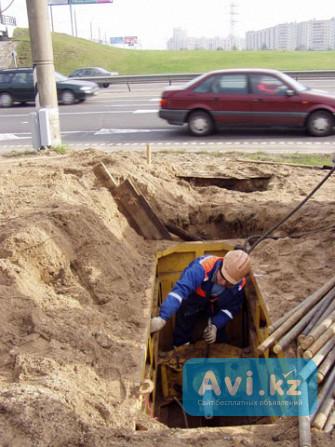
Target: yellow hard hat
(235, 266)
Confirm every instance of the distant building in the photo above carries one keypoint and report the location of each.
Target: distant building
(181, 41)
(316, 35)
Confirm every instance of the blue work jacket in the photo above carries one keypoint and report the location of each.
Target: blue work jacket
(196, 283)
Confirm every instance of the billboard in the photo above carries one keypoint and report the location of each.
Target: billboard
(57, 2)
(127, 40)
(86, 2)
(76, 2)
(130, 40)
(116, 40)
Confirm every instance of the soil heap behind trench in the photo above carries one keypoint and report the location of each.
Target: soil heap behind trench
(75, 284)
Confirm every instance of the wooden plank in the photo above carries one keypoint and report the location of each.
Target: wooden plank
(133, 205)
(185, 235)
(103, 174)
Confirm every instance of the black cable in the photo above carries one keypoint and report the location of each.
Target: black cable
(290, 214)
(292, 236)
(5, 9)
(182, 409)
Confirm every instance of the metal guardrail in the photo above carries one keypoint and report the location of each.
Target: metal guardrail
(184, 77)
(140, 79)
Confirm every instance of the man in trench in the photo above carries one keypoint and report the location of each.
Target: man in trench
(211, 284)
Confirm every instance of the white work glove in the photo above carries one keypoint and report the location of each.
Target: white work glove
(210, 333)
(156, 324)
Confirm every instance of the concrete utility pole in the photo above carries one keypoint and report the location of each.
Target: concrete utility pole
(44, 74)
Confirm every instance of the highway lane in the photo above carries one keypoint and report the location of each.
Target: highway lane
(117, 118)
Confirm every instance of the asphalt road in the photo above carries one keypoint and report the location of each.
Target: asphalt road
(117, 119)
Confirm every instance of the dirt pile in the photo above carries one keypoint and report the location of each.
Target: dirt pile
(75, 283)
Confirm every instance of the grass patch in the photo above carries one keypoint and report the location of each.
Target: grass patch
(71, 52)
(172, 151)
(61, 149)
(18, 154)
(318, 160)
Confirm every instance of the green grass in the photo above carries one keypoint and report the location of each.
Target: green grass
(71, 53)
(61, 149)
(18, 154)
(318, 160)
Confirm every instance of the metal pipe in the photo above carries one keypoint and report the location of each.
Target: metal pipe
(325, 366)
(305, 439)
(317, 359)
(296, 330)
(327, 388)
(319, 342)
(329, 427)
(307, 305)
(320, 328)
(325, 289)
(319, 314)
(324, 412)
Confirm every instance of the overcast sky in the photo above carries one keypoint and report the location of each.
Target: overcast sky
(153, 20)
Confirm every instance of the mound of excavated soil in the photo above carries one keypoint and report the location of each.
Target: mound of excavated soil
(74, 281)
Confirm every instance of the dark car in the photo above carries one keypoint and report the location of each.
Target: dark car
(91, 72)
(17, 85)
(247, 97)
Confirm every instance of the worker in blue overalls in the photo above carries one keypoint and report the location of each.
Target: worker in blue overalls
(211, 284)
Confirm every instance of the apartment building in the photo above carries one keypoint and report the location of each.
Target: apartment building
(316, 35)
(181, 41)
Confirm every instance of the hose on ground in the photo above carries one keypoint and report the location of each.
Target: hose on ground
(272, 229)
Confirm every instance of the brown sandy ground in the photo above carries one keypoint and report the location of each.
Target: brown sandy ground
(75, 281)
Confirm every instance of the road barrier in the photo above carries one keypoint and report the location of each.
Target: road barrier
(171, 78)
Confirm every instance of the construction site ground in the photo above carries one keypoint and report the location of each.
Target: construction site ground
(75, 283)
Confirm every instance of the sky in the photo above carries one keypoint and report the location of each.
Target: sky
(152, 21)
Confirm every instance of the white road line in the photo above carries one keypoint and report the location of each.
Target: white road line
(102, 112)
(145, 111)
(11, 136)
(122, 105)
(122, 131)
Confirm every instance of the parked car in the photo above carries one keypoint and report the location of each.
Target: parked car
(17, 85)
(91, 72)
(247, 97)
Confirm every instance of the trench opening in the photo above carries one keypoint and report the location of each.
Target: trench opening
(169, 378)
(242, 184)
(164, 363)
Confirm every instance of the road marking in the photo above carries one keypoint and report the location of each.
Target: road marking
(146, 111)
(10, 136)
(122, 105)
(102, 112)
(122, 131)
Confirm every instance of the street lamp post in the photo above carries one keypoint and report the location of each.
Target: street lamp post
(44, 74)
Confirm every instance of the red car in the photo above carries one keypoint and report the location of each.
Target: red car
(247, 97)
